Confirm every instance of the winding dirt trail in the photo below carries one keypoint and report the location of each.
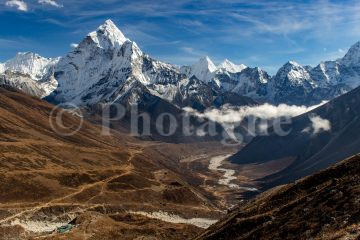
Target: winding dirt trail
(128, 168)
(58, 200)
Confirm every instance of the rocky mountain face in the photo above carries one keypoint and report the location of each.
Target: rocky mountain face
(27, 84)
(103, 67)
(352, 57)
(291, 83)
(251, 82)
(322, 206)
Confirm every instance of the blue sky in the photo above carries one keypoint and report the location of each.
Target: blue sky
(256, 33)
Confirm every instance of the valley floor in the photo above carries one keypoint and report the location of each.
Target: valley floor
(191, 191)
(109, 187)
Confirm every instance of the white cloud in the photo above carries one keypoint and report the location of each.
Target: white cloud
(192, 23)
(319, 124)
(74, 45)
(18, 4)
(230, 114)
(193, 52)
(50, 2)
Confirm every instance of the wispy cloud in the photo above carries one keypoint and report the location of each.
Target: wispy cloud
(191, 23)
(277, 24)
(18, 4)
(6, 42)
(193, 52)
(50, 2)
(55, 22)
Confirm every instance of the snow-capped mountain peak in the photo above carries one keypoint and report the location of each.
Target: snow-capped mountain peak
(293, 63)
(105, 57)
(352, 57)
(108, 35)
(206, 62)
(30, 73)
(203, 69)
(2, 68)
(31, 64)
(292, 72)
(230, 67)
(292, 83)
(101, 71)
(106, 66)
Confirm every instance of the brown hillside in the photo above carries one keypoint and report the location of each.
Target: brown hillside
(47, 178)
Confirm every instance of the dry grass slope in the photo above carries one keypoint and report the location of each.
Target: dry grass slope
(47, 178)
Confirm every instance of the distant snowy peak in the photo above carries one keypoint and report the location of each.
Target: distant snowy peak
(352, 57)
(205, 63)
(292, 84)
(30, 63)
(292, 73)
(230, 67)
(203, 69)
(209, 62)
(2, 68)
(108, 36)
(30, 73)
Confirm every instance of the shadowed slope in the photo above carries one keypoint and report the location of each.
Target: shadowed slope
(322, 206)
(312, 151)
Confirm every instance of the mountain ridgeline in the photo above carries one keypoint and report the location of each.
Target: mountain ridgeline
(106, 66)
